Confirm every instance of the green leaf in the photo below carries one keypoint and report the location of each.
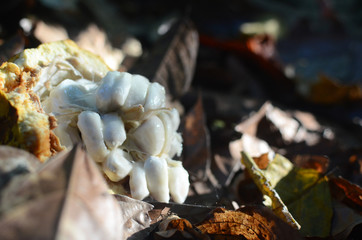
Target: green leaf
(307, 195)
(303, 192)
(264, 185)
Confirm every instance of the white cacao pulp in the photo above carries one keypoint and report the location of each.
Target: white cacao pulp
(127, 128)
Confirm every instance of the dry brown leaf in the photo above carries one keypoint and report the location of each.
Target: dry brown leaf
(196, 143)
(172, 60)
(250, 125)
(280, 128)
(179, 224)
(174, 227)
(66, 198)
(346, 192)
(196, 140)
(135, 217)
(246, 223)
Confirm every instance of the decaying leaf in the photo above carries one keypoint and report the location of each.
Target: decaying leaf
(306, 187)
(174, 227)
(196, 149)
(252, 223)
(67, 198)
(264, 185)
(134, 217)
(248, 222)
(173, 59)
(347, 192)
(295, 188)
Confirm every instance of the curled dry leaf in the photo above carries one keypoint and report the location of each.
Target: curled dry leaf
(66, 198)
(252, 223)
(135, 217)
(281, 128)
(172, 60)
